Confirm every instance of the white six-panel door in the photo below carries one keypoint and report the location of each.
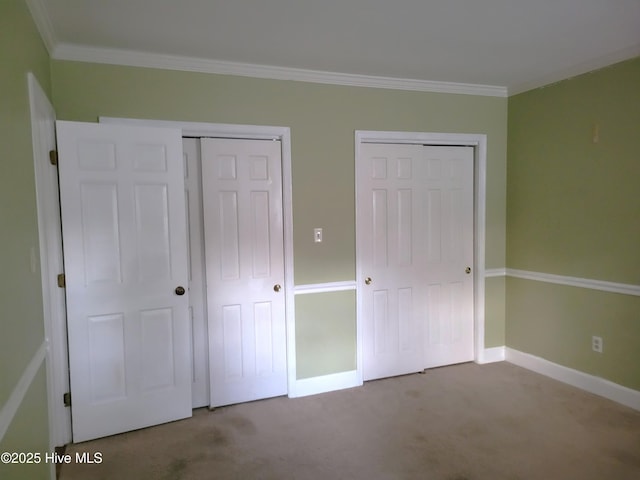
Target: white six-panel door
(415, 239)
(388, 217)
(123, 218)
(244, 250)
(447, 197)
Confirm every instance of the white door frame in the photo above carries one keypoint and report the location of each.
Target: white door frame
(253, 132)
(479, 142)
(51, 263)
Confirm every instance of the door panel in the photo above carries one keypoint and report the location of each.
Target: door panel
(415, 229)
(449, 240)
(244, 247)
(123, 219)
(392, 333)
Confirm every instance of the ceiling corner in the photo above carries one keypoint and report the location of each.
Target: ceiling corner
(43, 23)
(571, 71)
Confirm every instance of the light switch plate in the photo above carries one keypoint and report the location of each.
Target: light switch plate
(317, 235)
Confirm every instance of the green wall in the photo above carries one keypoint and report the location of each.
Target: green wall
(323, 119)
(569, 206)
(321, 313)
(573, 209)
(21, 51)
(29, 432)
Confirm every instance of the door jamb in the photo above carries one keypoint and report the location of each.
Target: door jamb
(479, 143)
(253, 132)
(51, 262)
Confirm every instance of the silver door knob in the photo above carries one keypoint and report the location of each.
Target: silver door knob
(277, 287)
(368, 280)
(467, 270)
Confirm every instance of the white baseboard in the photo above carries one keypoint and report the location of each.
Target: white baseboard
(596, 385)
(325, 383)
(491, 355)
(10, 408)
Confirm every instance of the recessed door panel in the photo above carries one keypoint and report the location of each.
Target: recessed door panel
(152, 232)
(263, 327)
(404, 227)
(405, 319)
(260, 235)
(379, 231)
(150, 158)
(232, 341)
(156, 332)
(381, 327)
(106, 357)
(229, 246)
(94, 154)
(101, 233)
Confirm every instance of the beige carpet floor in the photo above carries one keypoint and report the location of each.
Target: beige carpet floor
(464, 422)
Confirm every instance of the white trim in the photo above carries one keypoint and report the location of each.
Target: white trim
(479, 235)
(289, 287)
(579, 69)
(40, 16)
(325, 383)
(324, 287)
(200, 129)
(495, 272)
(80, 53)
(259, 132)
(11, 406)
(596, 385)
(65, 51)
(51, 261)
(614, 287)
(429, 138)
(623, 288)
(491, 355)
(479, 142)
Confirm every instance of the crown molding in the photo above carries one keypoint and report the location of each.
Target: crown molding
(66, 51)
(192, 64)
(578, 69)
(43, 24)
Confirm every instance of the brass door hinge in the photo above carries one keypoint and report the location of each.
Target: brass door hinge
(62, 281)
(53, 157)
(66, 398)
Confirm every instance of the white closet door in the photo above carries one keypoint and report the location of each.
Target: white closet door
(415, 241)
(388, 231)
(123, 220)
(448, 259)
(244, 250)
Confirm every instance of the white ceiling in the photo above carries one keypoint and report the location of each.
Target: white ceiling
(517, 44)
